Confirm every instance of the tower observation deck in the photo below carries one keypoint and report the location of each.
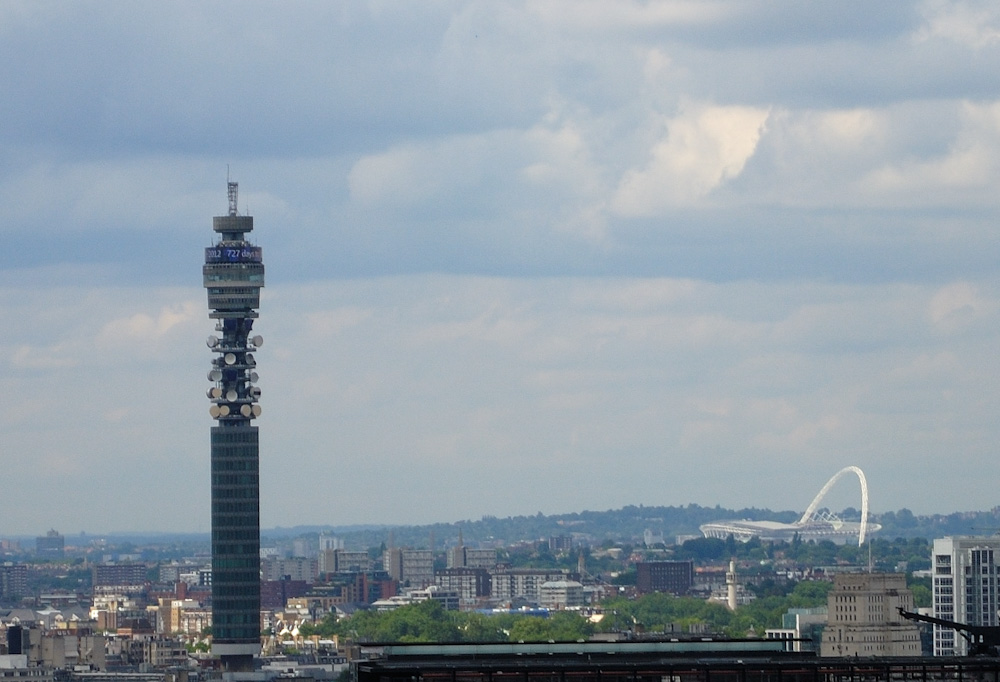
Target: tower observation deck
(233, 276)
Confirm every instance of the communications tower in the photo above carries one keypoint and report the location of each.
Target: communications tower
(233, 276)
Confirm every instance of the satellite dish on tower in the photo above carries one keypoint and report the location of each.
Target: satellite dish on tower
(214, 375)
(256, 410)
(212, 341)
(254, 377)
(230, 359)
(214, 411)
(224, 410)
(215, 393)
(257, 340)
(245, 410)
(231, 395)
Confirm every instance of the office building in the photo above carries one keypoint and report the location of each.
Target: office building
(675, 577)
(233, 277)
(52, 544)
(863, 617)
(964, 588)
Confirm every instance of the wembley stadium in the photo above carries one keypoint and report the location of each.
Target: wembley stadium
(814, 525)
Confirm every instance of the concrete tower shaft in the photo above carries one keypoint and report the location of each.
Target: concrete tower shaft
(233, 277)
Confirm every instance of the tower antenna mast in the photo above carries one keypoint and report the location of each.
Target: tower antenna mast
(234, 193)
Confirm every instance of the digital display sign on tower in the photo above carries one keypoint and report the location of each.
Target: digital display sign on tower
(233, 254)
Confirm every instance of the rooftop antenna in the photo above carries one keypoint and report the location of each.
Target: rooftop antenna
(234, 190)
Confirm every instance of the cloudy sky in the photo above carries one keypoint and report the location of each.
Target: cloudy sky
(521, 257)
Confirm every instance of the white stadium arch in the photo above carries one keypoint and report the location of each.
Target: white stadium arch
(813, 525)
(810, 513)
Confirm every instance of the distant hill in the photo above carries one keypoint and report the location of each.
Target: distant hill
(625, 525)
(629, 523)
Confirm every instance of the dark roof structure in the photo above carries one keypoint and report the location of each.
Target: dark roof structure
(696, 660)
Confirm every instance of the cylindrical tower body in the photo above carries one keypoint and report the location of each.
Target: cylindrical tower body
(233, 277)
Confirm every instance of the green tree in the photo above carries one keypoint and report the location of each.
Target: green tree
(479, 627)
(921, 596)
(426, 621)
(921, 588)
(561, 626)
(810, 593)
(706, 549)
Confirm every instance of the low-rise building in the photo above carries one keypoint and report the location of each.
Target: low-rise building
(561, 594)
(801, 628)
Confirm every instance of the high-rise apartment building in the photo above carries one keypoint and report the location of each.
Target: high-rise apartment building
(344, 560)
(13, 581)
(965, 587)
(412, 567)
(233, 276)
(461, 556)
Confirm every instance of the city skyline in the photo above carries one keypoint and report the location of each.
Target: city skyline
(522, 258)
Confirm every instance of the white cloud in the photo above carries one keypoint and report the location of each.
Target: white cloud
(704, 147)
(957, 305)
(144, 327)
(29, 357)
(591, 15)
(321, 326)
(975, 24)
(967, 168)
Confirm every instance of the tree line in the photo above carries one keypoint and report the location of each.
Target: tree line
(428, 621)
